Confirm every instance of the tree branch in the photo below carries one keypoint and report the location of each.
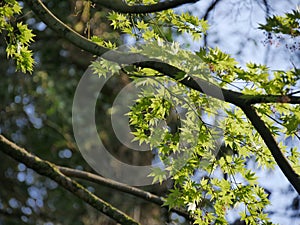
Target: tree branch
(229, 96)
(213, 90)
(121, 187)
(233, 97)
(62, 29)
(269, 140)
(121, 7)
(52, 171)
(205, 17)
(210, 8)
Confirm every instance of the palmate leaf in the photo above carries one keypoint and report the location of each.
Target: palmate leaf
(18, 35)
(102, 67)
(209, 195)
(158, 174)
(287, 24)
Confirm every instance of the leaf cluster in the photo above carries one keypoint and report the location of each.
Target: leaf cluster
(289, 24)
(18, 36)
(156, 25)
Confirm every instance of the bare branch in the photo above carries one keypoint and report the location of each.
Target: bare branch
(121, 187)
(50, 170)
(205, 17)
(121, 7)
(210, 8)
(269, 140)
(267, 6)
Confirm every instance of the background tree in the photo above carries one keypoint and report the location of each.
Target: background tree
(36, 113)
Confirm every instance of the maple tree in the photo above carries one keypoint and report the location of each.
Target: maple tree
(218, 127)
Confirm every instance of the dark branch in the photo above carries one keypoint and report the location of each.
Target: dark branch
(121, 7)
(267, 6)
(269, 140)
(235, 98)
(205, 17)
(213, 90)
(210, 8)
(50, 170)
(121, 187)
(229, 96)
(62, 29)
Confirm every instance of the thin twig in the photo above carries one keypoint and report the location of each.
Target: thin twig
(120, 187)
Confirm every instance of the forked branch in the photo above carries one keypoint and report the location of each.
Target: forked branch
(121, 187)
(50, 170)
(236, 98)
